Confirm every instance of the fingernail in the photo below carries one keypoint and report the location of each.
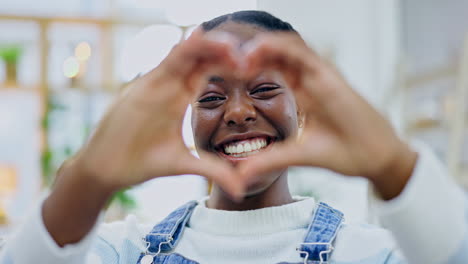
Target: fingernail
(223, 37)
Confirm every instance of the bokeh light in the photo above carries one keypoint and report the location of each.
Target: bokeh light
(71, 67)
(83, 51)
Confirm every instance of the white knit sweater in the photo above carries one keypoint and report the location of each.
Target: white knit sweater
(428, 221)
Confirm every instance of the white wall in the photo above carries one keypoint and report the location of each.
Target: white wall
(19, 146)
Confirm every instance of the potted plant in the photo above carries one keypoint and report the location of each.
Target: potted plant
(11, 54)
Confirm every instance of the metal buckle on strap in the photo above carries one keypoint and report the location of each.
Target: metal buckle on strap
(330, 248)
(149, 256)
(148, 244)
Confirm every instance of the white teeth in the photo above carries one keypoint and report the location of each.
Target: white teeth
(245, 147)
(240, 148)
(255, 145)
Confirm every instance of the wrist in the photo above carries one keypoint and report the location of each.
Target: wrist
(72, 208)
(394, 176)
(99, 174)
(79, 173)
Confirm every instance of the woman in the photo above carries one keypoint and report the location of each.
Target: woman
(262, 101)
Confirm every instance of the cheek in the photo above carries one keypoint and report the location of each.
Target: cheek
(204, 123)
(282, 112)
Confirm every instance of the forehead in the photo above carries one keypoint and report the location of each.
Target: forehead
(243, 31)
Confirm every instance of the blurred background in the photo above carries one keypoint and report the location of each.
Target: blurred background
(63, 62)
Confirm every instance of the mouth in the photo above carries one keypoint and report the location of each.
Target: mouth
(242, 148)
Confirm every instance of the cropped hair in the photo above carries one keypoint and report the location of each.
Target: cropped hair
(261, 19)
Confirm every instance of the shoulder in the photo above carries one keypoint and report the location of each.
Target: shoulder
(363, 241)
(366, 233)
(122, 234)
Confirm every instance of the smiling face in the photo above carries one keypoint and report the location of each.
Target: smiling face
(237, 118)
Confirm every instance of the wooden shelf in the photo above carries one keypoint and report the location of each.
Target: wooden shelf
(105, 28)
(83, 20)
(431, 76)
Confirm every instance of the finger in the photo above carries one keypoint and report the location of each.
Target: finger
(282, 156)
(286, 51)
(199, 78)
(216, 48)
(277, 158)
(227, 60)
(219, 171)
(314, 81)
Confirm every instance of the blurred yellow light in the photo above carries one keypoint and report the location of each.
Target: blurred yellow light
(7, 179)
(71, 67)
(83, 51)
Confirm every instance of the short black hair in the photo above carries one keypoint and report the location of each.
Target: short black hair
(254, 17)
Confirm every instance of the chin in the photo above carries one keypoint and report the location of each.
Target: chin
(262, 183)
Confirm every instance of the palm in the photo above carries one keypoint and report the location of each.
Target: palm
(341, 131)
(140, 138)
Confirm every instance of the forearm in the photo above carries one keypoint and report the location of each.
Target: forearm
(393, 178)
(429, 217)
(74, 205)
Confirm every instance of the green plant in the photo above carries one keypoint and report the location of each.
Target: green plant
(47, 158)
(49, 169)
(124, 198)
(11, 53)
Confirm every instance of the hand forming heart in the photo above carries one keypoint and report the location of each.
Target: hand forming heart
(340, 130)
(140, 137)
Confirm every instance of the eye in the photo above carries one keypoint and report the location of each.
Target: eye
(211, 99)
(263, 89)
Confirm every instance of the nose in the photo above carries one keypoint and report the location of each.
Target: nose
(239, 111)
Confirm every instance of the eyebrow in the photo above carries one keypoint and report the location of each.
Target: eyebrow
(216, 79)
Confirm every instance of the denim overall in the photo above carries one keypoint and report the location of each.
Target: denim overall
(316, 248)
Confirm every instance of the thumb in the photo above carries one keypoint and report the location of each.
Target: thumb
(215, 169)
(278, 157)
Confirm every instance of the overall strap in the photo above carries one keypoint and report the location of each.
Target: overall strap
(165, 235)
(317, 245)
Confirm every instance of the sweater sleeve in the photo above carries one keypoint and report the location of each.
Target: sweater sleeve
(31, 243)
(429, 218)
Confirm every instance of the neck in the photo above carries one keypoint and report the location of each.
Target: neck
(274, 195)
